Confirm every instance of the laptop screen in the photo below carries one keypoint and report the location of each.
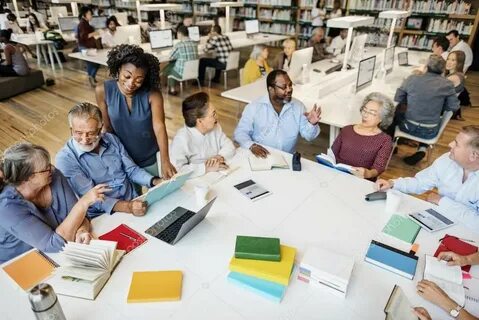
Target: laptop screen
(251, 26)
(365, 72)
(389, 59)
(98, 22)
(160, 39)
(67, 24)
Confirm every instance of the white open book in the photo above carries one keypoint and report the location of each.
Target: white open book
(329, 160)
(398, 306)
(273, 160)
(86, 268)
(448, 278)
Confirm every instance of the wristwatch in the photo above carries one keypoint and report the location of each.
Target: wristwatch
(153, 179)
(455, 312)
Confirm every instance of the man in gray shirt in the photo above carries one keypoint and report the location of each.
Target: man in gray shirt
(427, 96)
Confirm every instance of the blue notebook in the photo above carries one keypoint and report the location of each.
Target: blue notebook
(392, 259)
(271, 290)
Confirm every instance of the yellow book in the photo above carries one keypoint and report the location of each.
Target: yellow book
(276, 271)
(152, 286)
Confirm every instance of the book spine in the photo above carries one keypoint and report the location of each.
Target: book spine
(261, 275)
(256, 256)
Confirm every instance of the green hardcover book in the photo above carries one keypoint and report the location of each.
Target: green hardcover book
(257, 248)
(402, 228)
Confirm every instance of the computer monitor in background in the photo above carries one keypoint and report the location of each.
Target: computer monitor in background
(357, 49)
(365, 72)
(67, 24)
(389, 59)
(403, 59)
(57, 12)
(194, 33)
(161, 39)
(251, 26)
(98, 22)
(414, 23)
(300, 57)
(122, 18)
(128, 34)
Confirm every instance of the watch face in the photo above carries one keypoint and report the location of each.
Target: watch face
(454, 313)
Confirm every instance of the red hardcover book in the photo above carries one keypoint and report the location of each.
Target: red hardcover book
(456, 245)
(127, 238)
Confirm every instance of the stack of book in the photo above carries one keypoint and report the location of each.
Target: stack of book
(326, 268)
(262, 265)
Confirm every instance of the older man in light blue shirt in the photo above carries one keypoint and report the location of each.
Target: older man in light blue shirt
(276, 119)
(90, 158)
(455, 175)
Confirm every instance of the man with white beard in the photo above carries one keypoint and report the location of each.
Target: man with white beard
(91, 157)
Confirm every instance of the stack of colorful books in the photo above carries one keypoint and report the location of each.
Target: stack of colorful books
(262, 265)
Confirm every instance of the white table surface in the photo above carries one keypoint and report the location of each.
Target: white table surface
(317, 206)
(238, 40)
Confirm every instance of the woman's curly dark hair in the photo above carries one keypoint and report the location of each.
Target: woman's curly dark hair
(127, 53)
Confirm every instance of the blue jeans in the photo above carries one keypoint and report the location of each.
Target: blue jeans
(91, 68)
(418, 131)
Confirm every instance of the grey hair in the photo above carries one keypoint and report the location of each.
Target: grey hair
(436, 64)
(85, 110)
(20, 161)
(387, 108)
(316, 30)
(257, 50)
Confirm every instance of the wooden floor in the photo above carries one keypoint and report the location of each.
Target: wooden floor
(39, 116)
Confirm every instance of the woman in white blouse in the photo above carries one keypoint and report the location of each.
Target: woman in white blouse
(201, 144)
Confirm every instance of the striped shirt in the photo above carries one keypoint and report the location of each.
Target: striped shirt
(222, 45)
(183, 51)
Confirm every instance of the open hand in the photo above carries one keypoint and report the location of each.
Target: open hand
(314, 115)
(95, 194)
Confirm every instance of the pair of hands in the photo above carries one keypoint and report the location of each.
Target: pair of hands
(383, 185)
(216, 163)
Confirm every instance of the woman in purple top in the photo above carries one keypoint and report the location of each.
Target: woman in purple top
(38, 209)
(364, 145)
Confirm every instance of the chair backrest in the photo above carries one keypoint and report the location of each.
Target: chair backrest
(190, 70)
(233, 61)
(444, 120)
(241, 75)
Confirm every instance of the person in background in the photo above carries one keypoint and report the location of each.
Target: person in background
(187, 21)
(183, 51)
(454, 66)
(86, 40)
(132, 107)
(12, 24)
(38, 209)
(107, 38)
(91, 157)
(319, 44)
(276, 119)
(257, 64)
(426, 96)
(364, 146)
(456, 44)
(339, 42)
(455, 175)
(34, 24)
(434, 294)
(131, 20)
(283, 59)
(15, 63)
(201, 144)
(439, 47)
(337, 12)
(221, 45)
(318, 14)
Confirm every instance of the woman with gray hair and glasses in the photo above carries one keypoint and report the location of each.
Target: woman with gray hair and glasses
(38, 209)
(364, 146)
(257, 65)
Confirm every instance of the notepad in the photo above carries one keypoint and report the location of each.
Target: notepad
(127, 239)
(266, 288)
(276, 271)
(154, 286)
(257, 248)
(402, 228)
(29, 269)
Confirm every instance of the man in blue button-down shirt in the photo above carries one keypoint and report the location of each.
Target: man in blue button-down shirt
(275, 120)
(455, 175)
(90, 158)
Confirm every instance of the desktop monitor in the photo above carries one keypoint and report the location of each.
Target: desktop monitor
(414, 23)
(251, 26)
(403, 59)
(357, 49)
(67, 24)
(122, 18)
(161, 39)
(194, 33)
(98, 22)
(365, 73)
(389, 59)
(128, 34)
(300, 57)
(58, 12)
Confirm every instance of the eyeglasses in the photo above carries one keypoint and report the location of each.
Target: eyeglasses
(366, 112)
(88, 135)
(210, 115)
(48, 169)
(289, 85)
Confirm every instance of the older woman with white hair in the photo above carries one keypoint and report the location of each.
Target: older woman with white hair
(38, 209)
(257, 65)
(283, 59)
(364, 146)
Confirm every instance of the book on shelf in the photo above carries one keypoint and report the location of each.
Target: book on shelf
(87, 268)
(448, 278)
(257, 248)
(329, 160)
(398, 306)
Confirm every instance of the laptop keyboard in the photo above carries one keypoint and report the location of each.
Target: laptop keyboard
(169, 234)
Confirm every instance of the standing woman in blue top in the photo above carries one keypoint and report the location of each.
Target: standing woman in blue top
(86, 40)
(132, 107)
(38, 209)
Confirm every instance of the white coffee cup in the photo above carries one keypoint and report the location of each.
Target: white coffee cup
(393, 201)
(84, 52)
(201, 191)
